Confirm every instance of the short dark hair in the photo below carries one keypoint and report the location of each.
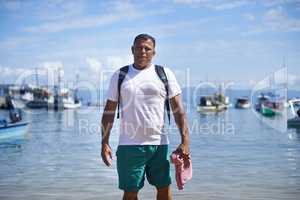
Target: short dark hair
(144, 36)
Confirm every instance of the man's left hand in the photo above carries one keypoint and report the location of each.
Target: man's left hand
(183, 150)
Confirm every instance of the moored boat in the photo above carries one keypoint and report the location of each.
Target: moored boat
(295, 121)
(269, 107)
(70, 103)
(242, 103)
(12, 130)
(214, 103)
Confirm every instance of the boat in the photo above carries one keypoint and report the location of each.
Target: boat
(215, 103)
(268, 107)
(295, 121)
(39, 100)
(67, 98)
(12, 130)
(71, 103)
(296, 101)
(261, 99)
(272, 108)
(242, 103)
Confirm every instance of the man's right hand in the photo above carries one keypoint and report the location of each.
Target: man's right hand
(106, 154)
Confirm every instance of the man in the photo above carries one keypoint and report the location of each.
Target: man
(143, 145)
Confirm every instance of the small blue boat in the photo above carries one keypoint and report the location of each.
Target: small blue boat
(13, 130)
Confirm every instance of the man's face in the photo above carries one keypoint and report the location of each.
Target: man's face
(143, 52)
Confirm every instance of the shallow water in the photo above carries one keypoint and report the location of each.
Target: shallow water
(235, 156)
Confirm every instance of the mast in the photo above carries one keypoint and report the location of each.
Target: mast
(76, 100)
(36, 77)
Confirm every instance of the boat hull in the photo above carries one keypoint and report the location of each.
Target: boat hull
(72, 105)
(37, 104)
(243, 106)
(211, 108)
(242, 103)
(294, 122)
(13, 130)
(267, 112)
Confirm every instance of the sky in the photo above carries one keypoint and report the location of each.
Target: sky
(238, 41)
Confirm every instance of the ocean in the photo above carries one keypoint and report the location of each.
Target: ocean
(236, 156)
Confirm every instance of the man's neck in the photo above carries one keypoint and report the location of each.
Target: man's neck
(138, 67)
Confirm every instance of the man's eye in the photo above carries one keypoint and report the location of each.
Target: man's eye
(143, 48)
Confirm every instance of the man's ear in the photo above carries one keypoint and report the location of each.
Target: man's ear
(132, 50)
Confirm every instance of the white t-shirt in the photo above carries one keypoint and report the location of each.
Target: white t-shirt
(142, 105)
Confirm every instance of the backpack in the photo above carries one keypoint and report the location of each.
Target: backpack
(162, 76)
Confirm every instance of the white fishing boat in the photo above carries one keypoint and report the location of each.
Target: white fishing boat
(69, 99)
(70, 103)
(294, 122)
(214, 103)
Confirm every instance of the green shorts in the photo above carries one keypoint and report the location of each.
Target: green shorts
(136, 161)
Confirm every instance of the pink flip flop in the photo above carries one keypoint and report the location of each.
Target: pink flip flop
(183, 169)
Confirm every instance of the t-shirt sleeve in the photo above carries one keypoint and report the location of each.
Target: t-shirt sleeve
(112, 91)
(174, 88)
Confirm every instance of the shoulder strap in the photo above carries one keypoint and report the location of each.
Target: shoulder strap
(163, 77)
(122, 75)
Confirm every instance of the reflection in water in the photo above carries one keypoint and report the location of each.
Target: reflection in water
(15, 143)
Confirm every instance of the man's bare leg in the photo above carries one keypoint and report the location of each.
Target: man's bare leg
(130, 196)
(164, 193)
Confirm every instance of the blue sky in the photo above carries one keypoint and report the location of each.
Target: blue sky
(225, 40)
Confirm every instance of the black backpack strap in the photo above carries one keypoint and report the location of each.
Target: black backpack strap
(163, 77)
(122, 75)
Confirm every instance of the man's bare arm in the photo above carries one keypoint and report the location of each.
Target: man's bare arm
(181, 122)
(106, 125)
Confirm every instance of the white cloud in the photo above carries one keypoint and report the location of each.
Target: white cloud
(94, 64)
(83, 22)
(59, 9)
(231, 4)
(12, 75)
(272, 3)
(115, 62)
(277, 20)
(52, 70)
(119, 11)
(228, 5)
(100, 69)
(293, 80)
(43, 10)
(110, 62)
(215, 5)
(11, 72)
(274, 20)
(274, 14)
(54, 65)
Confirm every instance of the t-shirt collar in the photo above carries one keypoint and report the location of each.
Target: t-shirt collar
(139, 70)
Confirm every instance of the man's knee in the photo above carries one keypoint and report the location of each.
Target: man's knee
(164, 193)
(130, 196)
